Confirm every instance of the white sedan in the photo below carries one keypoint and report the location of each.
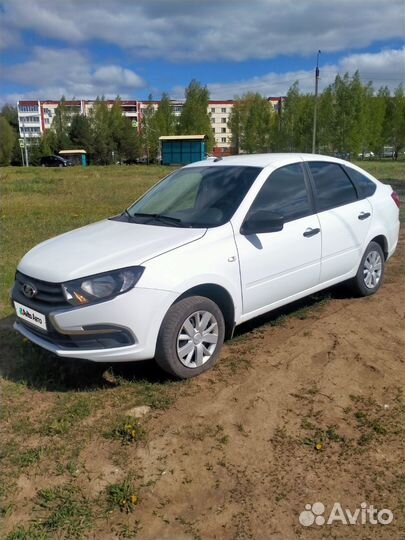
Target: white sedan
(211, 246)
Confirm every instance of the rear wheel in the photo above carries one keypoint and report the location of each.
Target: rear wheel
(370, 274)
(191, 337)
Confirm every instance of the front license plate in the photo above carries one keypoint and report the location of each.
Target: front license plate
(30, 315)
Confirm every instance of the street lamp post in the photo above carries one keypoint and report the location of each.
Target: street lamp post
(316, 103)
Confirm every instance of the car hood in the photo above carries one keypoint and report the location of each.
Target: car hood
(100, 247)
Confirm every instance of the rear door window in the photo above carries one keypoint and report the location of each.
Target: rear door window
(333, 187)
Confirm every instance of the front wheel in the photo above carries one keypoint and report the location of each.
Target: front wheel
(370, 274)
(191, 337)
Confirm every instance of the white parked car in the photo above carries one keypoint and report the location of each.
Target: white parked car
(367, 154)
(211, 246)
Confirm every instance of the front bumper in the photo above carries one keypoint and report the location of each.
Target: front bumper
(119, 330)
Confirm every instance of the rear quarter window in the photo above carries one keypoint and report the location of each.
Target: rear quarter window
(365, 187)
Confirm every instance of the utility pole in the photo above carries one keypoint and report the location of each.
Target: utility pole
(316, 103)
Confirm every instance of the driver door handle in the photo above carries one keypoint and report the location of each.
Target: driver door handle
(311, 232)
(364, 215)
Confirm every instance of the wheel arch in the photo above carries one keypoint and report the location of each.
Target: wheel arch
(382, 241)
(221, 297)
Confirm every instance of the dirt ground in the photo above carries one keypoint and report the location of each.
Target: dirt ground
(304, 407)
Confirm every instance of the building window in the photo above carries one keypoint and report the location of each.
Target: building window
(28, 108)
(223, 120)
(223, 139)
(212, 109)
(223, 110)
(213, 130)
(213, 120)
(223, 130)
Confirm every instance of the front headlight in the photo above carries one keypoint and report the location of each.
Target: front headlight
(101, 286)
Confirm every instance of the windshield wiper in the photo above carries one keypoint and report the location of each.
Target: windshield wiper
(158, 217)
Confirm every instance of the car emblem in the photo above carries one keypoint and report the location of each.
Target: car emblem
(29, 290)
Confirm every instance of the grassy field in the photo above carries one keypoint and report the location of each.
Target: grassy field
(65, 427)
(38, 203)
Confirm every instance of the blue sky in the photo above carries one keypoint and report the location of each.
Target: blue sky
(84, 48)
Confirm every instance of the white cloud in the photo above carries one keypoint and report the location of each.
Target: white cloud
(385, 68)
(53, 72)
(214, 29)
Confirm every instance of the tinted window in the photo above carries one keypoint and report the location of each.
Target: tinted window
(365, 187)
(332, 185)
(284, 192)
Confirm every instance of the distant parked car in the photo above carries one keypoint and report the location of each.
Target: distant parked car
(388, 152)
(55, 161)
(367, 154)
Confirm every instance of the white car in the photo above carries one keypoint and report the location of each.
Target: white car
(211, 246)
(367, 154)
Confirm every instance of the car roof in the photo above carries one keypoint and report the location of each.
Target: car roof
(264, 160)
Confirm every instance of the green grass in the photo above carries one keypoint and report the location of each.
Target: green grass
(53, 409)
(67, 511)
(122, 496)
(384, 170)
(38, 203)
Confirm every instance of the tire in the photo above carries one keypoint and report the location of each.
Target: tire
(191, 354)
(370, 274)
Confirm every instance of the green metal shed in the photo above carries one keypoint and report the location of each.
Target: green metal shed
(182, 149)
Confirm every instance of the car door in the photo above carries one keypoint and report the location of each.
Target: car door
(345, 219)
(275, 266)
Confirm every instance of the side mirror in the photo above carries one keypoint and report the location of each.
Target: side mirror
(262, 222)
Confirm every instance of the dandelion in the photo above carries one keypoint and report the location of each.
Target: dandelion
(318, 446)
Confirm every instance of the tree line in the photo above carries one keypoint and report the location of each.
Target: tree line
(107, 135)
(352, 117)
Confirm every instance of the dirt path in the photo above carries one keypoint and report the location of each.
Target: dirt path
(236, 457)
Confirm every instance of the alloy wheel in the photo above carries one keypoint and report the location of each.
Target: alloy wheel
(372, 269)
(197, 339)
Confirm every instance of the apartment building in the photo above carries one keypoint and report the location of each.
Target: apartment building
(36, 116)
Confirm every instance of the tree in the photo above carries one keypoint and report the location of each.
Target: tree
(130, 146)
(48, 143)
(165, 121)
(251, 124)
(80, 132)
(149, 134)
(9, 112)
(60, 125)
(290, 121)
(7, 141)
(101, 133)
(398, 115)
(194, 119)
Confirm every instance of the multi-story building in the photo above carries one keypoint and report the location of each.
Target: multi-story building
(35, 117)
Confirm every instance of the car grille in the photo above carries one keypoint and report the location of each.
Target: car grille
(48, 294)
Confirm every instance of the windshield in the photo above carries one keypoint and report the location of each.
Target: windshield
(195, 197)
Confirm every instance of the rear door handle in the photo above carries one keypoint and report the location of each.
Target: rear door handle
(311, 232)
(364, 215)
